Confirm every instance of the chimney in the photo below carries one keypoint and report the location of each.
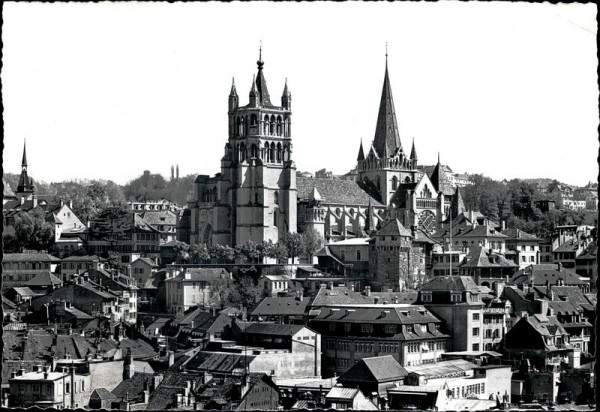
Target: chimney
(13, 374)
(330, 285)
(504, 226)
(368, 290)
(559, 266)
(301, 296)
(38, 368)
(395, 299)
(352, 287)
(171, 356)
(188, 387)
(376, 301)
(156, 380)
(178, 399)
(71, 204)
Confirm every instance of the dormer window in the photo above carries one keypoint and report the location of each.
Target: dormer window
(426, 297)
(455, 297)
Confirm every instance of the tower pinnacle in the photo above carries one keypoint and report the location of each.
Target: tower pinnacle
(387, 137)
(24, 161)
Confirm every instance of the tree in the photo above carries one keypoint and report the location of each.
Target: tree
(182, 252)
(199, 253)
(278, 251)
(250, 251)
(32, 231)
(245, 293)
(223, 253)
(110, 224)
(312, 242)
(293, 244)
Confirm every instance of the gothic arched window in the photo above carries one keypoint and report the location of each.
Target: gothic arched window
(276, 197)
(407, 180)
(241, 126)
(214, 194)
(253, 119)
(254, 151)
(278, 152)
(286, 127)
(242, 152)
(394, 183)
(378, 183)
(275, 217)
(279, 126)
(266, 125)
(266, 152)
(272, 153)
(272, 125)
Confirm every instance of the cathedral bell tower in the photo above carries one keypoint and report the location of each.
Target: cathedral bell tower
(258, 165)
(25, 187)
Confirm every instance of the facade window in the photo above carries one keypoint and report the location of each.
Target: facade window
(455, 297)
(358, 255)
(476, 316)
(475, 331)
(476, 347)
(390, 329)
(348, 327)
(367, 328)
(426, 297)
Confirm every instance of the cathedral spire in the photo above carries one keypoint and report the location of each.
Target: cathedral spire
(25, 184)
(458, 205)
(286, 97)
(361, 152)
(387, 136)
(233, 92)
(261, 82)
(254, 100)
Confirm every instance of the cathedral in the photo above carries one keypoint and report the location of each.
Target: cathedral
(258, 196)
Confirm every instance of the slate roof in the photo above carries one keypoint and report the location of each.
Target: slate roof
(339, 295)
(480, 257)
(407, 315)
(440, 180)
(454, 283)
(89, 258)
(393, 227)
(569, 246)
(25, 291)
(44, 279)
(545, 325)
(173, 383)
(486, 230)
(335, 191)
(288, 305)
(147, 261)
(342, 393)
(590, 252)
(441, 369)
(103, 394)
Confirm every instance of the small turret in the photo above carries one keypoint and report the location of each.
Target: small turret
(361, 152)
(413, 155)
(253, 93)
(286, 97)
(233, 97)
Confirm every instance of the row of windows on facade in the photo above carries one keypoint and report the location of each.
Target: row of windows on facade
(373, 163)
(273, 126)
(385, 347)
(48, 388)
(454, 297)
(463, 391)
(389, 329)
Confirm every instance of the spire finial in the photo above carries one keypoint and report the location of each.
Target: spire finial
(439, 158)
(386, 53)
(24, 162)
(260, 61)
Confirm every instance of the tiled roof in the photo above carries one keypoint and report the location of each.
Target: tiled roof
(486, 230)
(454, 283)
(218, 362)
(335, 191)
(338, 295)
(440, 180)
(203, 274)
(569, 246)
(480, 257)
(407, 315)
(25, 291)
(7, 303)
(563, 308)
(387, 137)
(44, 279)
(518, 234)
(393, 227)
(29, 257)
(90, 258)
(545, 325)
(141, 224)
(103, 394)
(173, 383)
(441, 369)
(288, 305)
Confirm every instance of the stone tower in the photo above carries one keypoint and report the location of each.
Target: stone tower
(258, 176)
(386, 165)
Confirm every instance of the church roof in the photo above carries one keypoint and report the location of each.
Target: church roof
(387, 137)
(334, 191)
(7, 191)
(458, 205)
(361, 152)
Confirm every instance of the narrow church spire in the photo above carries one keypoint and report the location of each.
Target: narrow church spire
(386, 131)
(413, 152)
(361, 152)
(233, 92)
(24, 161)
(261, 83)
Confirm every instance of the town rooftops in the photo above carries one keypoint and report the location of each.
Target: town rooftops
(335, 191)
(25, 291)
(288, 305)
(453, 283)
(202, 274)
(442, 369)
(38, 376)
(88, 258)
(102, 394)
(147, 261)
(569, 246)
(481, 257)
(539, 274)
(485, 230)
(29, 257)
(342, 393)
(408, 314)
(159, 217)
(275, 329)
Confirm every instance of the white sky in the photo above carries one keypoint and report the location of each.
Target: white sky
(108, 90)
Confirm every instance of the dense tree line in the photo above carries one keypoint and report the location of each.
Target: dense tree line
(151, 186)
(291, 246)
(516, 202)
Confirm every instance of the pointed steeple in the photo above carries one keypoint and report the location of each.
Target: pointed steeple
(233, 92)
(387, 136)
(458, 205)
(286, 97)
(361, 152)
(440, 179)
(261, 83)
(413, 152)
(24, 161)
(254, 99)
(25, 184)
